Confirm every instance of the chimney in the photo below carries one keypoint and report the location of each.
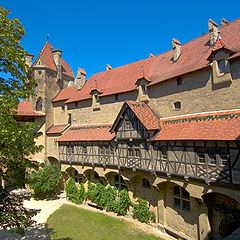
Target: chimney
(108, 67)
(80, 78)
(151, 55)
(28, 59)
(214, 32)
(176, 46)
(224, 21)
(57, 60)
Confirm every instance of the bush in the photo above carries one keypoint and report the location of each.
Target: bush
(141, 211)
(123, 202)
(73, 193)
(46, 181)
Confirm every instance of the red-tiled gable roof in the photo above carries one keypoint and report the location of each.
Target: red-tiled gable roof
(87, 133)
(57, 129)
(25, 108)
(46, 56)
(142, 111)
(223, 125)
(121, 79)
(194, 56)
(145, 115)
(65, 94)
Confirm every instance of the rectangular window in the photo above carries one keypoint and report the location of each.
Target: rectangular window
(179, 81)
(130, 152)
(163, 153)
(127, 124)
(221, 66)
(181, 198)
(137, 153)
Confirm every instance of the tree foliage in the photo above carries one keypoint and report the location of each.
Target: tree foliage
(45, 182)
(16, 140)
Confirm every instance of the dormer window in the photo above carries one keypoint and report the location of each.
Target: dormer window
(221, 64)
(96, 96)
(144, 89)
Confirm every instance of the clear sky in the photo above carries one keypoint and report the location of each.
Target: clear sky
(93, 33)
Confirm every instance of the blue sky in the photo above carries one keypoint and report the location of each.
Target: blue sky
(93, 33)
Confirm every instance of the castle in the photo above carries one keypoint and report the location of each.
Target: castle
(167, 128)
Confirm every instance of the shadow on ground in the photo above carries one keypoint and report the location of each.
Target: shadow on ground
(36, 232)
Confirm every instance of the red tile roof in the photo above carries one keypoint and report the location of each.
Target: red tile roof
(142, 111)
(223, 125)
(145, 114)
(57, 129)
(25, 109)
(121, 79)
(80, 133)
(65, 94)
(46, 57)
(194, 56)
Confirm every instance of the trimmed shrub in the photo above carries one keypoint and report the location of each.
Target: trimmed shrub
(74, 194)
(45, 182)
(142, 213)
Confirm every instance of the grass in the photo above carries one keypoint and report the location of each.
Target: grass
(72, 223)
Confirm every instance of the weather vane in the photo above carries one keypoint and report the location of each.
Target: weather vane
(47, 36)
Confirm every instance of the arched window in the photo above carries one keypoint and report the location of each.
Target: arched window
(39, 104)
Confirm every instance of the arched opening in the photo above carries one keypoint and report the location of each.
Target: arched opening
(39, 104)
(223, 214)
(53, 160)
(79, 178)
(92, 176)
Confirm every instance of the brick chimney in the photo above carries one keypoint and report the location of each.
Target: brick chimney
(57, 57)
(108, 67)
(214, 32)
(176, 46)
(28, 59)
(224, 21)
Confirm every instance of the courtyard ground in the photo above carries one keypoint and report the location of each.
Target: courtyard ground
(40, 232)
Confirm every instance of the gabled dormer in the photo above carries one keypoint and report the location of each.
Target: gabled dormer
(135, 121)
(221, 72)
(142, 89)
(95, 99)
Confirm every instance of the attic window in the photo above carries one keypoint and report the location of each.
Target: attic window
(97, 100)
(144, 89)
(179, 81)
(177, 105)
(221, 66)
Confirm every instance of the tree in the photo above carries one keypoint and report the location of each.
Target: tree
(46, 181)
(16, 140)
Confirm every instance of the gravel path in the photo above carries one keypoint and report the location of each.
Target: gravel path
(39, 230)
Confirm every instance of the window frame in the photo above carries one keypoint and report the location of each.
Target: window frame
(181, 199)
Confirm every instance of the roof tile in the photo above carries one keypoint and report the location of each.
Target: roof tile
(80, 133)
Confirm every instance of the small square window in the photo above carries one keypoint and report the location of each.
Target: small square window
(127, 125)
(179, 81)
(177, 105)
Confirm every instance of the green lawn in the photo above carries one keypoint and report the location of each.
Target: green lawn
(72, 223)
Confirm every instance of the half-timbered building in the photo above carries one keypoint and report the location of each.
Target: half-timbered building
(167, 128)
